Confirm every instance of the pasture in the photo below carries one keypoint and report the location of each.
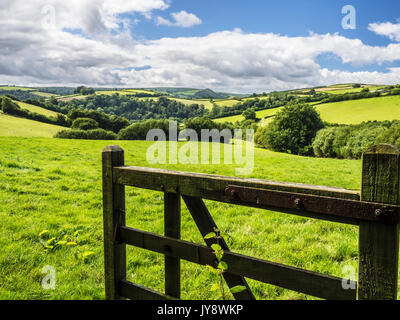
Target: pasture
(12, 88)
(55, 185)
(20, 127)
(344, 112)
(33, 108)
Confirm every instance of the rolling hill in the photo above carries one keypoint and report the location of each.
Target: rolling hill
(33, 108)
(20, 127)
(344, 112)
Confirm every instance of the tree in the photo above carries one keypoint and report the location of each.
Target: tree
(249, 114)
(292, 130)
(9, 107)
(84, 124)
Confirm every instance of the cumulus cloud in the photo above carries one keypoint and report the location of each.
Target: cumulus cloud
(92, 45)
(180, 19)
(387, 29)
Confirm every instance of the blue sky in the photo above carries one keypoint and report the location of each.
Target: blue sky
(285, 17)
(242, 46)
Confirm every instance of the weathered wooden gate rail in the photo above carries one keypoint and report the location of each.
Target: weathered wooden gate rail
(375, 210)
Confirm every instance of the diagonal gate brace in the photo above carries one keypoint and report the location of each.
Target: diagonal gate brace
(205, 223)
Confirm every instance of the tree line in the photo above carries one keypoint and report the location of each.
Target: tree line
(298, 129)
(11, 108)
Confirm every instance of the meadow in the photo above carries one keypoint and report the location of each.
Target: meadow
(51, 190)
(20, 127)
(344, 112)
(33, 108)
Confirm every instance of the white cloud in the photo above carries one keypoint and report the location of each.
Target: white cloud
(32, 54)
(181, 19)
(387, 29)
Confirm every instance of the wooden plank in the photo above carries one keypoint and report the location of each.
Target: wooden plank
(213, 187)
(137, 292)
(325, 206)
(113, 216)
(379, 243)
(296, 279)
(193, 184)
(205, 223)
(172, 228)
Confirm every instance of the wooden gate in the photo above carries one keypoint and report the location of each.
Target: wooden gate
(375, 210)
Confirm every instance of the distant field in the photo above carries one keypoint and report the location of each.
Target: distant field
(345, 112)
(124, 92)
(20, 127)
(260, 115)
(72, 97)
(45, 94)
(357, 111)
(207, 104)
(226, 103)
(17, 88)
(36, 109)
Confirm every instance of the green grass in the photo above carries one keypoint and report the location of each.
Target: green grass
(55, 185)
(45, 94)
(260, 115)
(357, 111)
(344, 112)
(123, 92)
(33, 108)
(10, 88)
(20, 127)
(207, 104)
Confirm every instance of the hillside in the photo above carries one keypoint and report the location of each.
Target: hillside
(345, 112)
(33, 108)
(20, 127)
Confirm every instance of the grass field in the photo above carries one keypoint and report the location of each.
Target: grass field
(123, 92)
(45, 94)
(260, 115)
(36, 109)
(55, 185)
(207, 104)
(344, 112)
(357, 111)
(20, 127)
(16, 88)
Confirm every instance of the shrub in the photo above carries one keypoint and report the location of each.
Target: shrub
(292, 130)
(9, 107)
(249, 114)
(352, 140)
(391, 135)
(85, 124)
(323, 143)
(96, 134)
(138, 131)
(360, 141)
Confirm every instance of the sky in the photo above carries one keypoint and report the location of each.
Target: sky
(231, 46)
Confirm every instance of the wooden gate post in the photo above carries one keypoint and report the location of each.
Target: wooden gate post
(378, 242)
(113, 217)
(172, 228)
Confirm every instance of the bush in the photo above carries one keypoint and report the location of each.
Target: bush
(9, 107)
(85, 124)
(391, 135)
(96, 134)
(352, 140)
(360, 141)
(249, 114)
(323, 143)
(105, 121)
(292, 130)
(138, 131)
